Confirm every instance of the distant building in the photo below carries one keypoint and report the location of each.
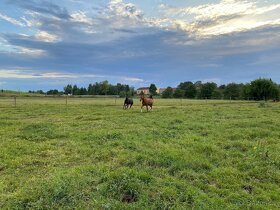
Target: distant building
(144, 90)
(160, 90)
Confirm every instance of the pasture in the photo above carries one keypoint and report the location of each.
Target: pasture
(187, 154)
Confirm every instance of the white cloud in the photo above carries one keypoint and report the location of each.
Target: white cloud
(31, 74)
(11, 20)
(225, 17)
(119, 8)
(31, 22)
(45, 36)
(30, 51)
(133, 79)
(25, 74)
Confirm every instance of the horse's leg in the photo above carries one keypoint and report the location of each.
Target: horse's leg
(141, 108)
(151, 107)
(147, 108)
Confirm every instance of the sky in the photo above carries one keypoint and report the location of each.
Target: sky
(46, 44)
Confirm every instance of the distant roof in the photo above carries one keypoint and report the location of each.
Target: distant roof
(143, 88)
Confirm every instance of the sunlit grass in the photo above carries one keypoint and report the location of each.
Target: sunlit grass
(184, 154)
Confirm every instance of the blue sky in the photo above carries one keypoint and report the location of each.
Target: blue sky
(47, 44)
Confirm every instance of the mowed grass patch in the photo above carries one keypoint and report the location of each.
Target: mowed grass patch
(201, 155)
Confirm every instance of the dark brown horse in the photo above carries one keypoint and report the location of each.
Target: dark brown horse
(128, 102)
(148, 102)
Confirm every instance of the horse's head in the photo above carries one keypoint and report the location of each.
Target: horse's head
(141, 98)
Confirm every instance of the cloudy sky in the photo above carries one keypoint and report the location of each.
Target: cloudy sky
(47, 44)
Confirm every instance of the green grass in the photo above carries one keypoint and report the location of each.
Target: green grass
(9, 93)
(183, 155)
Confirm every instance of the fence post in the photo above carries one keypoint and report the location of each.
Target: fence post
(15, 101)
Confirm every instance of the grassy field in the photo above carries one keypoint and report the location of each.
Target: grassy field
(183, 155)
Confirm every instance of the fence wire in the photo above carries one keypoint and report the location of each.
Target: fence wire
(107, 101)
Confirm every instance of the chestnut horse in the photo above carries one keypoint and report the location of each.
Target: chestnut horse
(148, 102)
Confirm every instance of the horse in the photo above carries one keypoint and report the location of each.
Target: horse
(148, 102)
(128, 102)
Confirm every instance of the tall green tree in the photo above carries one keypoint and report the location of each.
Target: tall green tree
(207, 89)
(264, 89)
(153, 89)
(232, 91)
(76, 90)
(167, 93)
(179, 93)
(189, 89)
(246, 92)
(83, 91)
(105, 87)
(68, 89)
(217, 94)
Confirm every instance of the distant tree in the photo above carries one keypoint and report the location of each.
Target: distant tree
(122, 94)
(68, 89)
(119, 88)
(198, 86)
(179, 93)
(153, 89)
(40, 92)
(97, 89)
(37, 91)
(189, 89)
(246, 92)
(76, 90)
(90, 89)
(232, 91)
(207, 89)
(104, 87)
(222, 87)
(53, 92)
(167, 93)
(130, 92)
(217, 94)
(126, 88)
(83, 91)
(264, 89)
(113, 90)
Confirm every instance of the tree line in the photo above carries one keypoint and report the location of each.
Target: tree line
(259, 89)
(98, 88)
